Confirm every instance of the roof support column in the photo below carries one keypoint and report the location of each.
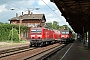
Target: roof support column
(88, 39)
(88, 34)
(85, 40)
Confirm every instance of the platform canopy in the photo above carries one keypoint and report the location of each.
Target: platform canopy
(76, 13)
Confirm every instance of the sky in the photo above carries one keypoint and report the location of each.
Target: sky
(45, 7)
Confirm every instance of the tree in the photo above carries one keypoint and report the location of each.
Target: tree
(49, 25)
(66, 27)
(6, 31)
(13, 35)
(55, 25)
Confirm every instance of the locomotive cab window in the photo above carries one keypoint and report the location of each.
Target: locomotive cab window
(67, 32)
(33, 30)
(36, 30)
(63, 32)
(39, 30)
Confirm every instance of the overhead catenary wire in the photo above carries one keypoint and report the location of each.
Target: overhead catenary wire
(45, 4)
(15, 6)
(53, 11)
(25, 10)
(32, 8)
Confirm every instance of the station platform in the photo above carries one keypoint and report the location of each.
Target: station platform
(73, 51)
(77, 51)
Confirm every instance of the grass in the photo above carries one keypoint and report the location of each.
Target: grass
(9, 43)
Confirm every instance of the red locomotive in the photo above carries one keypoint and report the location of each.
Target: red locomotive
(40, 36)
(66, 36)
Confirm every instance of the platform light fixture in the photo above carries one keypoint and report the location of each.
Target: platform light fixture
(12, 28)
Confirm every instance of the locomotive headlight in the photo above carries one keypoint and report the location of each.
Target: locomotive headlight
(39, 36)
(62, 36)
(32, 37)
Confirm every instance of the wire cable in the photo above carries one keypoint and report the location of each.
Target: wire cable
(54, 12)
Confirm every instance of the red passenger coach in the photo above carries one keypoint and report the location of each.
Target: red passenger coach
(56, 35)
(40, 36)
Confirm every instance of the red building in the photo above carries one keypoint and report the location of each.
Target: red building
(30, 20)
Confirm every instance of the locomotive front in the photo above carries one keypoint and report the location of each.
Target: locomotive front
(65, 36)
(35, 36)
(35, 33)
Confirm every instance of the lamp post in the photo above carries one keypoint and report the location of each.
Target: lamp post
(20, 21)
(31, 9)
(12, 28)
(19, 32)
(12, 35)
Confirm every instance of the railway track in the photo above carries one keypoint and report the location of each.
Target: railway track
(31, 53)
(43, 54)
(8, 52)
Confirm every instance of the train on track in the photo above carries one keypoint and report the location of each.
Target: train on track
(66, 36)
(40, 36)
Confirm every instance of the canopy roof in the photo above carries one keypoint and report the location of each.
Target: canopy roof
(76, 13)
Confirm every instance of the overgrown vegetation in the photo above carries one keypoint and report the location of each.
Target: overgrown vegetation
(14, 37)
(55, 25)
(6, 32)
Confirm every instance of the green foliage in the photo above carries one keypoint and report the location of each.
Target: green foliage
(5, 31)
(49, 25)
(66, 27)
(13, 35)
(1, 23)
(61, 27)
(24, 28)
(55, 25)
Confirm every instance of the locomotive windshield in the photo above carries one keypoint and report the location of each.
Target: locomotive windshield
(36, 30)
(65, 32)
(33, 30)
(39, 30)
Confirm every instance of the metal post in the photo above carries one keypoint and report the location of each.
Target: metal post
(19, 27)
(12, 35)
(12, 28)
(19, 32)
(89, 40)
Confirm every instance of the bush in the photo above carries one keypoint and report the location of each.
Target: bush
(13, 35)
(6, 32)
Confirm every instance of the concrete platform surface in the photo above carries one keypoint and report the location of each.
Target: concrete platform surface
(77, 51)
(73, 51)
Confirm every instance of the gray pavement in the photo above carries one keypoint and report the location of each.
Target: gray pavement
(73, 51)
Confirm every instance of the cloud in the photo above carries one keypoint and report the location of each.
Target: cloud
(24, 5)
(41, 2)
(8, 1)
(17, 4)
(2, 8)
(56, 19)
